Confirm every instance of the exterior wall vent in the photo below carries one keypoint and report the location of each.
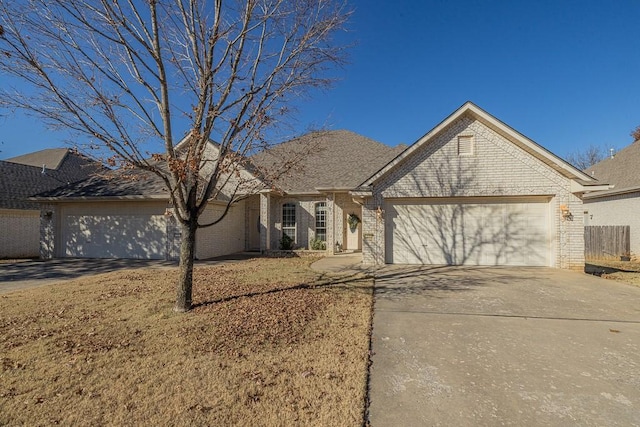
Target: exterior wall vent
(465, 145)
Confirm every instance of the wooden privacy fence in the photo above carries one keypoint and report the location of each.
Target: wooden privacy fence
(607, 241)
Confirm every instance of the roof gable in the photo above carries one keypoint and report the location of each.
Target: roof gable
(496, 125)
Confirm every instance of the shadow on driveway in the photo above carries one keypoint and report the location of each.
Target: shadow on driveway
(32, 273)
(395, 282)
(28, 274)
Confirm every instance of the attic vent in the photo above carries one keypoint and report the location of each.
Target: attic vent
(465, 145)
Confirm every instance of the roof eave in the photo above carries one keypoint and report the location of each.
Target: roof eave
(581, 188)
(361, 192)
(611, 192)
(63, 199)
(334, 189)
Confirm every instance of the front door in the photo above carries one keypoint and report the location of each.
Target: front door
(352, 234)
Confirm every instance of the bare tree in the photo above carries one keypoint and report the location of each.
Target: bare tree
(587, 157)
(133, 75)
(635, 134)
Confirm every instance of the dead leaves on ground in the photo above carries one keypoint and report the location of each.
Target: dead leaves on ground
(236, 305)
(87, 345)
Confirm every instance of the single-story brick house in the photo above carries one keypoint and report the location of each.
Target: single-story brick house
(25, 176)
(621, 204)
(471, 191)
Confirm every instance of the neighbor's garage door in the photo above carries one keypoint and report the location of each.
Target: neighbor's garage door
(467, 232)
(123, 231)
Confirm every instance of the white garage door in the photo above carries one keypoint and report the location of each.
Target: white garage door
(118, 235)
(471, 232)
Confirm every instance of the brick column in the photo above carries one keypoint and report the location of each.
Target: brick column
(48, 218)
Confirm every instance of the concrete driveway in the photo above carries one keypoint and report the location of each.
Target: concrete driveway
(474, 346)
(33, 273)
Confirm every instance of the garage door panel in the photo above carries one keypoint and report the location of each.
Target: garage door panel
(114, 236)
(467, 233)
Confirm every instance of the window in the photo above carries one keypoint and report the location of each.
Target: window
(321, 221)
(465, 145)
(289, 220)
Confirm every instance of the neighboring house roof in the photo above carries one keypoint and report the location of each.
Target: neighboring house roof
(621, 171)
(326, 160)
(581, 179)
(50, 158)
(24, 176)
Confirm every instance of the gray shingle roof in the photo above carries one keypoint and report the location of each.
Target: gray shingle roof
(113, 184)
(337, 159)
(51, 158)
(19, 181)
(621, 171)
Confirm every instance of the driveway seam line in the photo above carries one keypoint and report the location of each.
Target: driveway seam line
(514, 316)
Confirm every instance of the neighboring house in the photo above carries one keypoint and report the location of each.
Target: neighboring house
(24, 176)
(471, 191)
(620, 205)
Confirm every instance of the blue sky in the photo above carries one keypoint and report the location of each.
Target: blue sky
(564, 73)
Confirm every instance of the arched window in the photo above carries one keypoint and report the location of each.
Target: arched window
(289, 220)
(321, 221)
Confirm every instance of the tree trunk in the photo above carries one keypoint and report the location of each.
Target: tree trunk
(187, 254)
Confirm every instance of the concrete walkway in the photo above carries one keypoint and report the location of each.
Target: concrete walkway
(341, 263)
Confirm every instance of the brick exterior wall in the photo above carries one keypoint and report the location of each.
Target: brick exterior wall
(19, 233)
(266, 223)
(226, 237)
(305, 218)
(497, 168)
(621, 209)
(49, 214)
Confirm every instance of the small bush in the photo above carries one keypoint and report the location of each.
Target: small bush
(286, 243)
(317, 245)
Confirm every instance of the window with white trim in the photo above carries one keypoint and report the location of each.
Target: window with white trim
(321, 221)
(465, 145)
(289, 220)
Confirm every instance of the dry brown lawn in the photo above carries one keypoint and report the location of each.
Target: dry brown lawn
(621, 271)
(268, 343)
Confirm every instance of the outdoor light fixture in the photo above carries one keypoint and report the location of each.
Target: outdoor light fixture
(379, 213)
(566, 213)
